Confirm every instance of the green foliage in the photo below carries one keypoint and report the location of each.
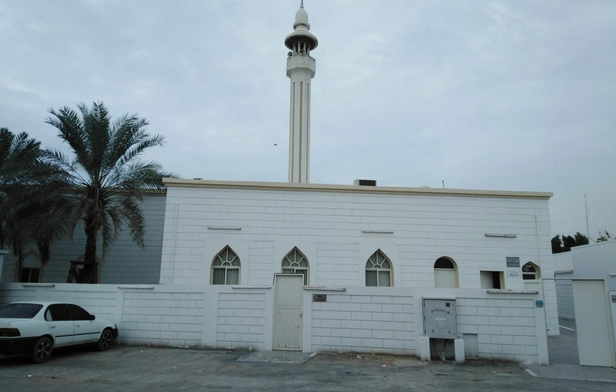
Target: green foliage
(27, 183)
(556, 244)
(566, 242)
(104, 179)
(581, 239)
(604, 236)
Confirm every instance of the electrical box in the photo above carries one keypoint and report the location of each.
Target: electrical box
(440, 319)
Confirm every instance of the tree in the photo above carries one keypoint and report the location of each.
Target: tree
(556, 244)
(27, 193)
(568, 242)
(17, 153)
(105, 179)
(564, 243)
(604, 236)
(580, 239)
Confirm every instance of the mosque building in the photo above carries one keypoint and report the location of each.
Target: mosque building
(322, 267)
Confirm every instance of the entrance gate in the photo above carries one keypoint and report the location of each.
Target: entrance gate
(288, 332)
(593, 324)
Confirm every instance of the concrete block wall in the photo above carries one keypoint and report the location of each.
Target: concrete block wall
(241, 319)
(376, 320)
(506, 328)
(176, 316)
(162, 318)
(364, 323)
(423, 228)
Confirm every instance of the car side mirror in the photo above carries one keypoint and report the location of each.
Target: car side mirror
(92, 317)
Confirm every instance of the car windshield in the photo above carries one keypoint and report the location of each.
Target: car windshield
(23, 311)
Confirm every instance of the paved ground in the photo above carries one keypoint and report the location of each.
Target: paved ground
(131, 368)
(564, 359)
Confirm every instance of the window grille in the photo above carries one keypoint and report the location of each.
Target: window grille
(378, 270)
(226, 267)
(296, 263)
(530, 271)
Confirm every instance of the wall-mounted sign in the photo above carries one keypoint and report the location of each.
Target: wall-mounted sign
(319, 297)
(539, 303)
(513, 262)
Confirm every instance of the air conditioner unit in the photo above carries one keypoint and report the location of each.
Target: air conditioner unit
(365, 182)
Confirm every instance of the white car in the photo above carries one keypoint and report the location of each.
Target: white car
(33, 329)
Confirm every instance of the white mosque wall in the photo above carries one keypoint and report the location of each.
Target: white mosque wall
(338, 228)
(506, 326)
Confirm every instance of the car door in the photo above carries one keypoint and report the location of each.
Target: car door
(60, 325)
(86, 328)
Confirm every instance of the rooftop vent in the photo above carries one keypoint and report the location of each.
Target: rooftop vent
(365, 182)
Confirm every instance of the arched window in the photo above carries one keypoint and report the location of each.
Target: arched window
(296, 263)
(378, 270)
(226, 267)
(445, 273)
(531, 271)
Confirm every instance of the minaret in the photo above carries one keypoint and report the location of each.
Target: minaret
(300, 68)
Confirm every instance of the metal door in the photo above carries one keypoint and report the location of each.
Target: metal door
(288, 334)
(595, 343)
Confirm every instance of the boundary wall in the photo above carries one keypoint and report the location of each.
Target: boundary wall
(500, 325)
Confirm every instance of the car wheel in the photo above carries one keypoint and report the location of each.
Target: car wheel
(104, 342)
(42, 350)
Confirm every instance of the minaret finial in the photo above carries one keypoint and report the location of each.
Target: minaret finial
(301, 5)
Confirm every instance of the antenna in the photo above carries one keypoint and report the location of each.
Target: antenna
(443, 183)
(586, 205)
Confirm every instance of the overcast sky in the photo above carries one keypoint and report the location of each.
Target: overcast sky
(506, 95)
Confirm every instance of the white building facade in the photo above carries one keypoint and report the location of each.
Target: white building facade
(338, 228)
(390, 242)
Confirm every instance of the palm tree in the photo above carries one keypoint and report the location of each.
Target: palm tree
(18, 155)
(28, 185)
(105, 179)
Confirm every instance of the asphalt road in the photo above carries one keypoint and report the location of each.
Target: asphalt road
(132, 368)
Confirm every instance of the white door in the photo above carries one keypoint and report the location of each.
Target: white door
(595, 343)
(289, 292)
